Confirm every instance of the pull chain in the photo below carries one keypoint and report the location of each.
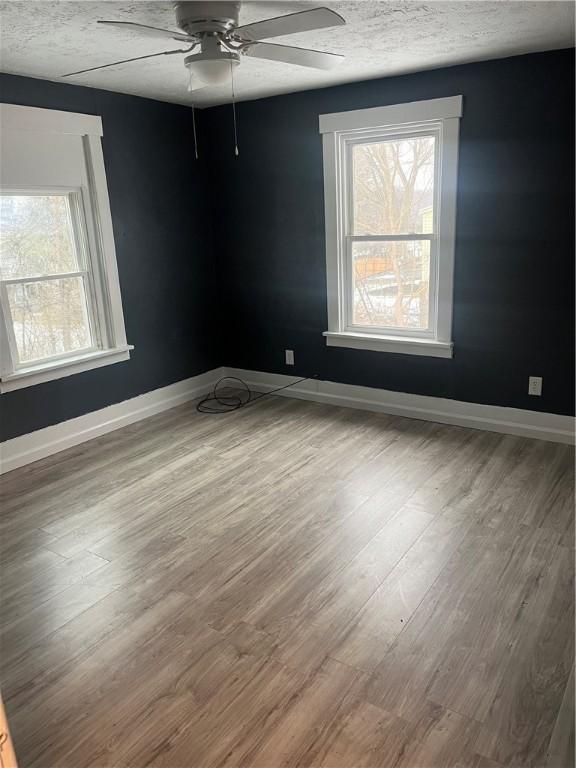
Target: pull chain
(190, 89)
(194, 127)
(234, 110)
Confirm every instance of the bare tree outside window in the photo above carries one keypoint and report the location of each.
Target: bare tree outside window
(393, 194)
(44, 281)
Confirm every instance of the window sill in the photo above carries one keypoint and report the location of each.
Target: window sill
(400, 345)
(57, 369)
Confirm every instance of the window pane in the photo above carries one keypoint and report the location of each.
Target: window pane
(393, 186)
(49, 317)
(36, 236)
(391, 283)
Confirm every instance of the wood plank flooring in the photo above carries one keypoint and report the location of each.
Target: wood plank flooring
(291, 585)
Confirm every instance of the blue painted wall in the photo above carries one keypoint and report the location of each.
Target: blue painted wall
(164, 248)
(514, 271)
(257, 223)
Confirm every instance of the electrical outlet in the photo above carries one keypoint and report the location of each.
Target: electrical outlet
(289, 356)
(535, 385)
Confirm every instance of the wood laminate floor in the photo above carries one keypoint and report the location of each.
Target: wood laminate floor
(291, 585)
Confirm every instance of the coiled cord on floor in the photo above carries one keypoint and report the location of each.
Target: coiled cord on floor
(225, 399)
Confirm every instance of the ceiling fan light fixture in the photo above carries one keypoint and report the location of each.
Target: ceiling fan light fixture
(212, 70)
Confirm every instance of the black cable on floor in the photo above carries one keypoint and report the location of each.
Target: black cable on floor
(226, 399)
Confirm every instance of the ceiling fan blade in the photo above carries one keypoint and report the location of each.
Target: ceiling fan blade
(304, 57)
(126, 61)
(143, 29)
(302, 21)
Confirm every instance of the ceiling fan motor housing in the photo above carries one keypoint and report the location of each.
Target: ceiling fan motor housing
(197, 17)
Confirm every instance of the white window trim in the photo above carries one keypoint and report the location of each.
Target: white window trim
(100, 245)
(58, 369)
(338, 131)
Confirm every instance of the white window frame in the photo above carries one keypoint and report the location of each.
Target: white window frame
(340, 132)
(97, 254)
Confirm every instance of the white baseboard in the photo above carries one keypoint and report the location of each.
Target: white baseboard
(44, 442)
(510, 421)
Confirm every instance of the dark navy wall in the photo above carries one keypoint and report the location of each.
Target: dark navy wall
(164, 252)
(513, 301)
(514, 276)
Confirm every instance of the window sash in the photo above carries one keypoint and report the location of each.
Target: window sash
(378, 138)
(345, 196)
(94, 345)
(77, 212)
(349, 290)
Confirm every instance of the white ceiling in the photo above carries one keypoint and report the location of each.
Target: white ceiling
(47, 39)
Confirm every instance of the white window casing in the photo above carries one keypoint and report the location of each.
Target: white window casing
(49, 151)
(439, 118)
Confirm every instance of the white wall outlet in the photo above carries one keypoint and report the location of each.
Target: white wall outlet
(289, 356)
(535, 385)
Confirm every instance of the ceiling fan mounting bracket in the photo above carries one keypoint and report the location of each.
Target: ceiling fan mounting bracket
(197, 18)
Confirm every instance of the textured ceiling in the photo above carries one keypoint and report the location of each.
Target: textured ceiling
(47, 39)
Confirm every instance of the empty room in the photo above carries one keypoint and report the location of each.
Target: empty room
(287, 384)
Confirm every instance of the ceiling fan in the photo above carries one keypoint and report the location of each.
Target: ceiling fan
(213, 28)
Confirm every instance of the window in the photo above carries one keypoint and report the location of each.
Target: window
(59, 292)
(390, 196)
(46, 292)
